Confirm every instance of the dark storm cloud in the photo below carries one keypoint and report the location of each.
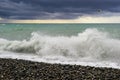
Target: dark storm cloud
(55, 9)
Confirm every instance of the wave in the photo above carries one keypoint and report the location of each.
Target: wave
(90, 45)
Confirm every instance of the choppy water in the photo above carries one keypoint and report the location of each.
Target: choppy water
(81, 44)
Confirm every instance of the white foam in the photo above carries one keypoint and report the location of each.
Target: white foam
(90, 47)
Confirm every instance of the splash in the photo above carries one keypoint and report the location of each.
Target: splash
(91, 45)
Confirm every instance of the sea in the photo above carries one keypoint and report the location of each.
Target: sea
(75, 44)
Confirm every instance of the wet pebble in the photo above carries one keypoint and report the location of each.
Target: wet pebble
(13, 69)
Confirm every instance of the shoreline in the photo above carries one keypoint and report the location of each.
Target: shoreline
(15, 69)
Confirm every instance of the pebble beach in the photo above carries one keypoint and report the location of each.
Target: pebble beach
(13, 69)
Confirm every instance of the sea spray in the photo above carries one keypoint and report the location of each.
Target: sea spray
(91, 45)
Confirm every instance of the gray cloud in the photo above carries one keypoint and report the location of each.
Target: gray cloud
(55, 9)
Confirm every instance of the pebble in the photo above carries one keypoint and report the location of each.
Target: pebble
(13, 69)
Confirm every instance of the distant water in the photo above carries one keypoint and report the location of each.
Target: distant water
(81, 44)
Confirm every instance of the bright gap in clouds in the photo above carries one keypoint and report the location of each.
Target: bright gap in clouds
(112, 19)
(84, 19)
(99, 18)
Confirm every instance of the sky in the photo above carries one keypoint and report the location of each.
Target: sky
(59, 11)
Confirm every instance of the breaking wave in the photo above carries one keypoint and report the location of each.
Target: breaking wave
(90, 45)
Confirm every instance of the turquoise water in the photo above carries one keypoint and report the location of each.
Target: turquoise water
(23, 31)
